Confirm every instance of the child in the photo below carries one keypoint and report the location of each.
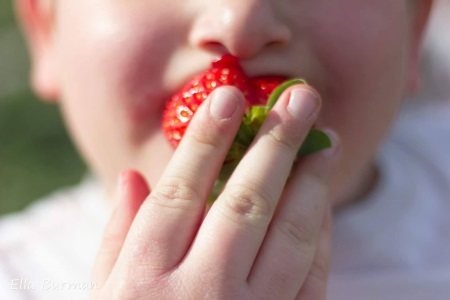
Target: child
(111, 66)
(437, 54)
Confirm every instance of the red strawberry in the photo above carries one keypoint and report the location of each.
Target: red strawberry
(225, 71)
(261, 94)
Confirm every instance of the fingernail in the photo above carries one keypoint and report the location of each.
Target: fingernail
(303, 103)
(335, 144)
(223, 104)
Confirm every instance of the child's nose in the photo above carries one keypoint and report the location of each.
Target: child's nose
(242, 28)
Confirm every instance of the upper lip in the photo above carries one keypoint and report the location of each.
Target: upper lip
(266, 65)
(266, 72)
(259, 67)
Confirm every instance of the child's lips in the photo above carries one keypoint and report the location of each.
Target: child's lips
(225, 71)
(270, 77)
(276, 78)
(260, 75)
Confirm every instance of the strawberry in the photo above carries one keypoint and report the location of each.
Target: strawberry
(261, 94)
(225, 71)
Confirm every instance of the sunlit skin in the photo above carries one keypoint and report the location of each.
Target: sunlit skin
(113, 72)
(112, 66)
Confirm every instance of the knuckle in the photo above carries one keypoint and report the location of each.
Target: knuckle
(250, 202)
(111, 241)
(317, 181)
(287, 141)
(319, 271)
(177, 193)
(315, 285)
(299, 233)
(206, 137)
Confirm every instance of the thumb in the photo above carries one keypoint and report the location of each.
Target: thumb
(132, 191)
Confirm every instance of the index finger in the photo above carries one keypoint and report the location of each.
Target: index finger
(168, 220)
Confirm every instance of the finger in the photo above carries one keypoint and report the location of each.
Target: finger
(233, 230)
(289, 248)
(315, 286)
(132, 191)
(171, 216)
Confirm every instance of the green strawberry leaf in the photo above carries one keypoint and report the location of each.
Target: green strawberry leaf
(255, 117)
(250, 125)
(245, 135)
(225, 173)
(273, 98)
(216, 190)
(236, 152)
(315, 141)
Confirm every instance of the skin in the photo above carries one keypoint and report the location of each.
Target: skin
(111, 74)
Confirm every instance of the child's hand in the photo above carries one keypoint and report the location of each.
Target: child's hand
(262, 238)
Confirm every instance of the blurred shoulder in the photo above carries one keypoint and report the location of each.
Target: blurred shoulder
(417, 149)
(425, 116)
(424, 128)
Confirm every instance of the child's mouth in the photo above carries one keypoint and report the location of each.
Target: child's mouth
(223, 71)
(261, 94)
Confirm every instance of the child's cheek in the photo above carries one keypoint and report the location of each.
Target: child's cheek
(132, 66)
(111, 63)
(364, 61)
(114, 61)
(362, 53)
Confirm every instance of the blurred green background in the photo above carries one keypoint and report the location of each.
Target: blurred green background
(36, 155)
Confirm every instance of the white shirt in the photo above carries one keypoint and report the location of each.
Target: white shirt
(48, 251)
(396, 243)
(393, 245)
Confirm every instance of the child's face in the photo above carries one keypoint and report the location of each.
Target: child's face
(115, 63)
